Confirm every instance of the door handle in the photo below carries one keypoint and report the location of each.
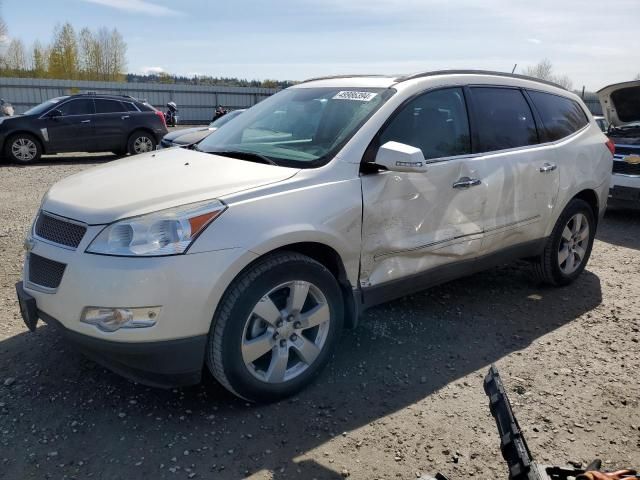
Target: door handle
(466, 182)
(124, 117)
(85, 121)
(548, 167)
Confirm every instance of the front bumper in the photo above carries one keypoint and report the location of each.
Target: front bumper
(165, 364)
(187, 288)
(624, 189)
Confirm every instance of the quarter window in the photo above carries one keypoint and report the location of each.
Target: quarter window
(435, 122)
(503, 119)
(561, 116)
(81, 106)
(109, 106)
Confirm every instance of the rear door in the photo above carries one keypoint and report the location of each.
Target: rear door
(73, 130)
(417, 221)
(521, 175)
(111, 125)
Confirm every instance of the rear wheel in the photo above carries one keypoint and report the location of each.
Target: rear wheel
(568, 248)
(275, 327)
(141, 142)
(23, 148)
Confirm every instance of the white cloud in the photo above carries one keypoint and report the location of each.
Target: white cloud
(534, 40)
(138, 6)
(152, 70)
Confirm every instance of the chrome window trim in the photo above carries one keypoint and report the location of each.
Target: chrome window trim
(44, 115)
(506, 150)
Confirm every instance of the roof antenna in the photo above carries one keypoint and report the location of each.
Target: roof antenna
(514, 68)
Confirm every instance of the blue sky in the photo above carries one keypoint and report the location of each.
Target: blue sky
(594, 42)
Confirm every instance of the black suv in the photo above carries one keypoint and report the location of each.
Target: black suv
(82, 123)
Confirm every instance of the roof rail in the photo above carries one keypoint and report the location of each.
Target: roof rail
(333, 77)
(434, 73)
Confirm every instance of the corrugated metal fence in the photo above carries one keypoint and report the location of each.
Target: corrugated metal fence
(196, 103)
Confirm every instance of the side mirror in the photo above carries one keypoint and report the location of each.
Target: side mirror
(399, 157)
(54, 113)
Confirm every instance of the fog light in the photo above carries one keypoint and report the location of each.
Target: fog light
(112, 319)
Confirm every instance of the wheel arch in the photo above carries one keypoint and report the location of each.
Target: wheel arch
(332, 261)
(591, 197)
(24, 131)
(140, 129)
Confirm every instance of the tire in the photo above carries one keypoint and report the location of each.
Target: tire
(23, 148)
(568, 240)
(293, 354)
(141, 141)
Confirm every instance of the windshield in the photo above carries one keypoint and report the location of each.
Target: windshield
(299, 127)
(224, 119)
(43, 107)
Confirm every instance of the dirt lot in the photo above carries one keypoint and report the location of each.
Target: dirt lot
(402, 398)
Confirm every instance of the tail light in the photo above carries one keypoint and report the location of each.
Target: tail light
(611, 146)
(161, 115)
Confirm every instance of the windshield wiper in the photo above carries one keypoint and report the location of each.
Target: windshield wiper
(243, 155)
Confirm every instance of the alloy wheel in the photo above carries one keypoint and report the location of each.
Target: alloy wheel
(142, 144)
(285, 332)
(24, 149)
(573, 244)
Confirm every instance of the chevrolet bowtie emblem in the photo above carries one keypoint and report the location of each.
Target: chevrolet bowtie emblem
(632, 159)
(29, 243)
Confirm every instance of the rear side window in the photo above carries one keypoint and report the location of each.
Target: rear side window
(81, 106)
(561, 116)
(130, 107)
(503, 119)
(109, 106)
(145, 107)
(435, 122)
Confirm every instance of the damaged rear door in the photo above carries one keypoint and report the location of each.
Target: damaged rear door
(418, 221)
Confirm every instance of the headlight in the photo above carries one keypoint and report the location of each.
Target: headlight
(167, 232)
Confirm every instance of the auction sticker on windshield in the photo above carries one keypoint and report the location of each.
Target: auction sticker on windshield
(357, 96)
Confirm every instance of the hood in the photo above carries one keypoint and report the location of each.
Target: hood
(621, 102)
(155, 181)
(171, 137)
(193, 137)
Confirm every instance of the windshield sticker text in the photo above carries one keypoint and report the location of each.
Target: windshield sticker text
(357, 96)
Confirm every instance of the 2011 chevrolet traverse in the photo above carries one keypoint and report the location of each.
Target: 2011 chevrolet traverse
(250, 253)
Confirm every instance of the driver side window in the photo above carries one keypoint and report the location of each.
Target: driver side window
(435, 122)
(80, 106)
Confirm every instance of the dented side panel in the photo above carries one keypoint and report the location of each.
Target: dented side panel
(521, 197)
(413, 222)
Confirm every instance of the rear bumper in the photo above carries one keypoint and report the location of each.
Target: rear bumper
(164, 364)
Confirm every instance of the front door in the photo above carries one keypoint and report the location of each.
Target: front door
(418, 222)
(72, 131)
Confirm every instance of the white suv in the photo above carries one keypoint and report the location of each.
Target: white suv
(250, 254)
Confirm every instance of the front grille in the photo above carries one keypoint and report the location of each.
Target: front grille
(627, 149)
(626, 168)
(45, 272)
(59, 231)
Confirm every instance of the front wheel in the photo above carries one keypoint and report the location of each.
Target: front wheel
(275, 327)
(568, 248)
(141, 142)
(23, 148)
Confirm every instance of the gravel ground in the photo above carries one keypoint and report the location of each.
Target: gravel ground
(402, 398)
